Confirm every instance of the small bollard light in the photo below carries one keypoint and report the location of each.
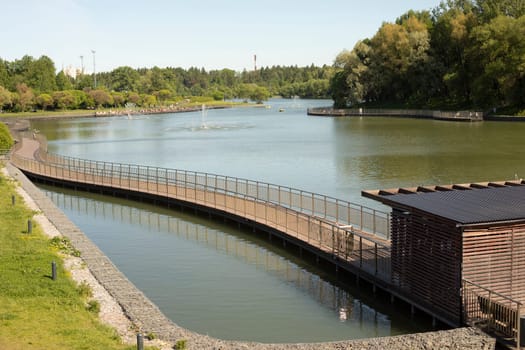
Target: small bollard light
(140, 342)
(53, 271)
(29, 226)
(13, 199)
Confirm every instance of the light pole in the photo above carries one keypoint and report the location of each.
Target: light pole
(94, 69)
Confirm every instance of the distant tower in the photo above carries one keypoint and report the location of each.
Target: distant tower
(254, 62)
(81, 64)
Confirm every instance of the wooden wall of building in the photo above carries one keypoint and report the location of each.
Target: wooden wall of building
(494, 258)
(426, 261)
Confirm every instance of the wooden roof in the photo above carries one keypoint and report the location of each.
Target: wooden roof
(465, 204)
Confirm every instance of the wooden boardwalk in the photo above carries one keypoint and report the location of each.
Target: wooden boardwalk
(347, 236)
(333, 229)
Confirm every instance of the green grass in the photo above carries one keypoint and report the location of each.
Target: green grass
(35, 311)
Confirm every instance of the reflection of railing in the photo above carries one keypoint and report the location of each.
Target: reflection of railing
(323, 222)
(491, 311)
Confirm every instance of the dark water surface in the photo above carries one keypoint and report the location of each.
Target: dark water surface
(220, 281)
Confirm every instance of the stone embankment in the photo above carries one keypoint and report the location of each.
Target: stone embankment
(146, 318)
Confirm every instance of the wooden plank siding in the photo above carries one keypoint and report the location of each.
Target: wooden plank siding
(495, 258)
(426, 261)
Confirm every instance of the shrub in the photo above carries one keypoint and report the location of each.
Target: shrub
(6, 141)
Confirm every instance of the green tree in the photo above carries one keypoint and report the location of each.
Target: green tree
(25, 97)
(5, 98)
(44, 101)
(148, 100)
(64, 100)
(163, 95)
(101, 98)
(499, 51)
(63, 82)
(124, 79)
(118, 98)
(40, 75)
(490, 9)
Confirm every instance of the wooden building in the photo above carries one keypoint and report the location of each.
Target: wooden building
(446, 239)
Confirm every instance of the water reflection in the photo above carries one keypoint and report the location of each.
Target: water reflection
(335, 305)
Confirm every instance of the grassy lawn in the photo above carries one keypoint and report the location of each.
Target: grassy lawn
(37, 312)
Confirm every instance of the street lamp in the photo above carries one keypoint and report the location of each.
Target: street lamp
(94, 70)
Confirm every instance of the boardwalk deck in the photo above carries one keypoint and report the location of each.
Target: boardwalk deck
(365, 251)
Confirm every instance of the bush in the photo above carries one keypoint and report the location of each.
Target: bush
(6, 141)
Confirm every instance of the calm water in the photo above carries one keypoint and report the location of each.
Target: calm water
(216, 280)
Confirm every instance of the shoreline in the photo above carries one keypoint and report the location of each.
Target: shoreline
(111, 313)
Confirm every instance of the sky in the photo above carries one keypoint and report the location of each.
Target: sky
(210, 34)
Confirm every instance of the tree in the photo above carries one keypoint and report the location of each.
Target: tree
(63, 82)
(124, 79)
(64, 100)
(25, 97)
(118, 98)
(148, 100)
(163, 95)
(5, 98)
(490, 9)
(101, 98)
(44, 101)
(499, 51)
(40, 75)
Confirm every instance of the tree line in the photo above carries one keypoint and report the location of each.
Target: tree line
(29, 84)
(462, 54)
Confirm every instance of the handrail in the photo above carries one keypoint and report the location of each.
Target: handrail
(339, 211)
(491, 311)
(248, 199)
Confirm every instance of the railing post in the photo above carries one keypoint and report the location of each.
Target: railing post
(388, 226)
(333, 240)
(360, 252)
(374, 221)
(518, 327)
(375, 255)
(309, 228)
(337, 210)
(361, 220)
(324, 202)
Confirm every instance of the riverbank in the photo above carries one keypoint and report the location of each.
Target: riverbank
(458, 116)
(37, 311)
(106, 112)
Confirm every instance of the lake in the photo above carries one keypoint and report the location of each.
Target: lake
(214, 279)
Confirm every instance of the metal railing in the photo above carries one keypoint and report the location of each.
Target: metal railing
(339, 211)
(491, 311)
(321, 221)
